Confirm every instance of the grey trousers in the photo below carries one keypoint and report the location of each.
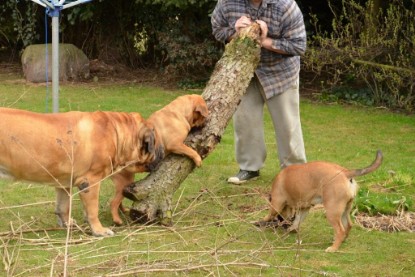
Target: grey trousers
(249, 127)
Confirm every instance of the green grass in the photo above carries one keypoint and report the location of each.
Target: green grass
(213, 232)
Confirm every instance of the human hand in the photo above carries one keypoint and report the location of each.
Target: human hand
(264, 29)
(242, 22)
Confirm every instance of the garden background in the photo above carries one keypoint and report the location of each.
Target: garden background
(357, 88)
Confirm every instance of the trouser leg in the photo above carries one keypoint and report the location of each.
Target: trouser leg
(285, 114)
(249, 129)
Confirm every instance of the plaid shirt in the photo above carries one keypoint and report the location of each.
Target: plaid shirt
(276, 72)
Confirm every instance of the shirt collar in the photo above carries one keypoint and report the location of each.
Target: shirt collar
(265, 2)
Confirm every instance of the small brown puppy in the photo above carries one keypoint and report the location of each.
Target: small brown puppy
(299, 187)
(76, 149)
(172, 123)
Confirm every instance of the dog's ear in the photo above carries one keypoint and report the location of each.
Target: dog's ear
(152, 145)
(202, 109)
(200, 114)
(149, 141)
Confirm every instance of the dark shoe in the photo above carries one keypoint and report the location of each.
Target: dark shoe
(243, 176)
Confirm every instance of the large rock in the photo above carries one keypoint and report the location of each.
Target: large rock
(73, 63)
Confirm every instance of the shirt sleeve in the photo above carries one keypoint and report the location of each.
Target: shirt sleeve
(221, 28)
(293, 38)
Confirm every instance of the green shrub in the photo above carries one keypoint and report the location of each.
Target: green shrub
(186, 54)
(379, 203)
(21, 29)
(371, 48)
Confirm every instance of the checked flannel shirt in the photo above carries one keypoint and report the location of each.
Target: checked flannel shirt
(276, 72)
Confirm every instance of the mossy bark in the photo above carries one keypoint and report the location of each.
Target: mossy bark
(152, 196)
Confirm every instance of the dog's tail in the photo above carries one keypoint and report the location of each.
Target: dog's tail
(359, 172)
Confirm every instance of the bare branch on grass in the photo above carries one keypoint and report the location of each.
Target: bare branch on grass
(26, 205)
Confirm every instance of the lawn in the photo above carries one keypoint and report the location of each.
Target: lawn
(213, 233)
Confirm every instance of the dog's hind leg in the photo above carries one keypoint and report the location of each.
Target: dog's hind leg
(346, 220)
(62, 206)
(300, 215)
(121, 180)
(334, 214)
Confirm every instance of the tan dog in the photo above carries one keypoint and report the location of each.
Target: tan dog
(75, 148)
(298, 187)
(174, 121)
(173, 124)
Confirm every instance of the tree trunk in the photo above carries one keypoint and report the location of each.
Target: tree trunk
(152, 196)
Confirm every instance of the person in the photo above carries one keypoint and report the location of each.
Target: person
(275, 82)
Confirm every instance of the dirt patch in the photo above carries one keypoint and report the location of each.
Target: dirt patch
(402, 222)
(100, 73)
(103, 72)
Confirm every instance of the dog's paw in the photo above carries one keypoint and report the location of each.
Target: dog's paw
(331, 249)
(104, 232)
(65, 224)
(117, 222)
(198, 161)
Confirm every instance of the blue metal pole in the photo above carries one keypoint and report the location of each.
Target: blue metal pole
(54, 10)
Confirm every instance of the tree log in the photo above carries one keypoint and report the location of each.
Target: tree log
(152, 195)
